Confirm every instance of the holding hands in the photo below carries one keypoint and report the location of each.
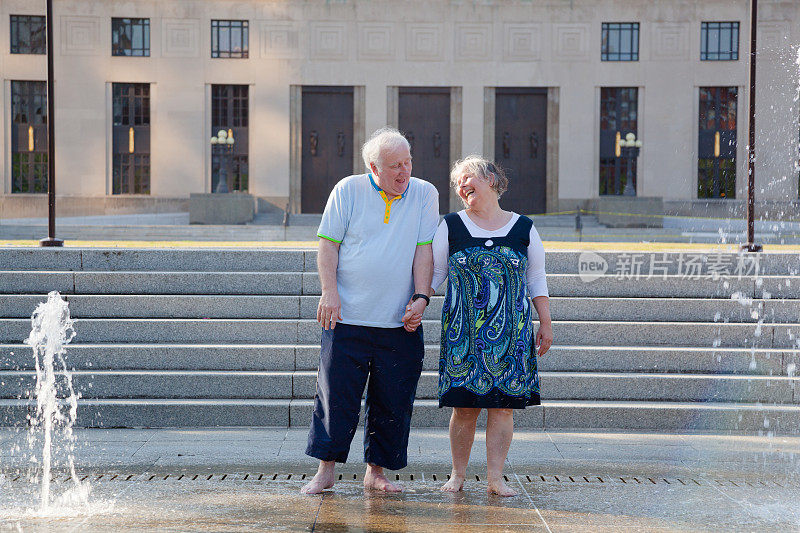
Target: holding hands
(413, 316)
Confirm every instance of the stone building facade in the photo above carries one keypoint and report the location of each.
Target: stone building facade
(544, 87)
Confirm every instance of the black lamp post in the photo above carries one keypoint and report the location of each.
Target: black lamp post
(224, 141)
(51, 138)
(630, 147)
(751, 246)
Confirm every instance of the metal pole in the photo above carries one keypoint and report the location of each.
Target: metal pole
(51, 142)
(751, 159)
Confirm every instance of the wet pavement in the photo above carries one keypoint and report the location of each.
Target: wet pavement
(249, 479)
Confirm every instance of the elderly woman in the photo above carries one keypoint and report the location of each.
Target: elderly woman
(493, 261)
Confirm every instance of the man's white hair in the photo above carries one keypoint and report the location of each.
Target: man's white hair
(382, 140)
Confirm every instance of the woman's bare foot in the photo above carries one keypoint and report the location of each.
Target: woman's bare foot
(454, 484)
(375, 479)
(499, 487)
(322, 480)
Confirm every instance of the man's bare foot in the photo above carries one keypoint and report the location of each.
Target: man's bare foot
(454, 484)
(375, 479)
(499, 487)
(322, 480)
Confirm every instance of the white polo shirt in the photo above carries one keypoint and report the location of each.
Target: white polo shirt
(377, 240)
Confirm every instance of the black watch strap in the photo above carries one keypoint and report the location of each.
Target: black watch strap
(420, 295)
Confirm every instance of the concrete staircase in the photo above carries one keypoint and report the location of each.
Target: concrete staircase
(191, 337)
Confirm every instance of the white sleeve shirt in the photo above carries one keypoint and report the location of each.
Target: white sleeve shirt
(535, 274)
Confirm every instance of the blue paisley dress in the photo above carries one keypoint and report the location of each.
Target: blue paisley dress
(486, 357)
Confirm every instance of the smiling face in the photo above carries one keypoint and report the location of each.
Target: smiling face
(394, 171)
(474, 191)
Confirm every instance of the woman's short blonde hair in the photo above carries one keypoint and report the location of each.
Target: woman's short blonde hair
(481, 168)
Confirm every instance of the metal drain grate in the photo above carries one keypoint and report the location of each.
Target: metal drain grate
(417, 477)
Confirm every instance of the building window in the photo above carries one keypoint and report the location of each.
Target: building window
(130, 37)
(620, 41)
(229, 38)
(618, 117)
(719, 41)
(130, 173)
(716, 165)
(28, 137)
(229, 112)
(229, 106)
(28, 34)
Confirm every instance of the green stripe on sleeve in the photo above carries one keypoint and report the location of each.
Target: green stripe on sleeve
(330, 238)
(424, 243)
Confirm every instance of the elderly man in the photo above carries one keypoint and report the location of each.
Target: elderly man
(375, 267)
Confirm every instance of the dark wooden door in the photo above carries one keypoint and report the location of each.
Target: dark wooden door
(618, 117)
(520, 146)
(29, 137)
(424, 118)
(327, 143)
(230, 105)
(716, 150)
(131, 139)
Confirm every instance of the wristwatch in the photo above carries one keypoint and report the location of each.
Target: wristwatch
(423, 296)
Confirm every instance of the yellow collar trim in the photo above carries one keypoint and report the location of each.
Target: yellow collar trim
(388, 211)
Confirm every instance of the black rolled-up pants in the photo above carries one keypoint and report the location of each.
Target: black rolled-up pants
(391, 360)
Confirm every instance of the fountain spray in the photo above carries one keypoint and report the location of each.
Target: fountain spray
(51, 331)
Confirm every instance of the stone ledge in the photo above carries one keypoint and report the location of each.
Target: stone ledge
(228, 208)
(630, 211)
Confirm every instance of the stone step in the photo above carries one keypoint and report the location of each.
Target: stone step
(155, 259)
(600, 386)
(633, 415)
(304, 260)
(266, 233)
(296, 284)
(145, 384)
(156, 283)
(133, 413)
(252, 306)
(194, 232)
(285, 357)
(165, 306)
(662, 416)
(305, 331)
(171, 356)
